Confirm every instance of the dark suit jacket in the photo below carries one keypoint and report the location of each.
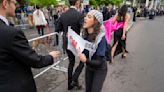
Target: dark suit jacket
(71, 18)
(109, 14)
(16, 60)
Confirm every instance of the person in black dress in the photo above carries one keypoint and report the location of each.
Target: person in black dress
(120, 34)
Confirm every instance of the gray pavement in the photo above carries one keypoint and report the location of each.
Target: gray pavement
(141, 71)
(32, 33)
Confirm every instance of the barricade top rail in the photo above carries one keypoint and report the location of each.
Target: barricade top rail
(40, 37)
(62, 58)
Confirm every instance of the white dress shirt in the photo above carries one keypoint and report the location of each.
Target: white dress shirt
(4, 19)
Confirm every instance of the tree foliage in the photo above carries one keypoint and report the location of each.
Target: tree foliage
(42, 2)
(162, 2)
(105, 2)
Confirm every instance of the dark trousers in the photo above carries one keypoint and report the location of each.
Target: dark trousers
(47, 21)
(56, 36)
(134, 18)
(73, 76)
(108, 53)
(40, 29)
(56, 42)
(94, 78)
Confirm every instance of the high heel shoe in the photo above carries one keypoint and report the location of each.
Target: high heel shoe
(111, 62)
(123, 56)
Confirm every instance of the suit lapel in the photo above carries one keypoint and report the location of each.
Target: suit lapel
(2, 22)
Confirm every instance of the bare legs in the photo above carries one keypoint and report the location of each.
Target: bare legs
(114, 49)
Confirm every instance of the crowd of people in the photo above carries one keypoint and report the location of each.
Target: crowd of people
(151, 13)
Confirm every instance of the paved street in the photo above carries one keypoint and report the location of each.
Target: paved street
(32, 33)
(141, 71)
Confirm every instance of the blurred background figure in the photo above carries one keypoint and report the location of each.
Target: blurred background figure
(39, 20)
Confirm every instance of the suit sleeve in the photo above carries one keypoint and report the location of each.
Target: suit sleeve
(25, 54)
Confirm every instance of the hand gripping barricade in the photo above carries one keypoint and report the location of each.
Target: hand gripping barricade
(40, 41)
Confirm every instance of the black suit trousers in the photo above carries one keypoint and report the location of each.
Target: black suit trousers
(73, 76)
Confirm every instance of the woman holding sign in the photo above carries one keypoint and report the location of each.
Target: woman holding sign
(94, 53)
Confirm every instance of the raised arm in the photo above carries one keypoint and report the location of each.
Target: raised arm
(126, 24)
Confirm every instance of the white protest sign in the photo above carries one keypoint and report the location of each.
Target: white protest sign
(75, 42)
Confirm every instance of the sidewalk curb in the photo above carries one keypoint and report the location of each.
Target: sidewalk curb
(130, 26)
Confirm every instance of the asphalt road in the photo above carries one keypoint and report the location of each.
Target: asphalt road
(142, 70)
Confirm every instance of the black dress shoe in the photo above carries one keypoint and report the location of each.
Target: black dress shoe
(110, 62)
(70, 87)
(74, 86)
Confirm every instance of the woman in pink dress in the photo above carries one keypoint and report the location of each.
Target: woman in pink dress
(120, 34)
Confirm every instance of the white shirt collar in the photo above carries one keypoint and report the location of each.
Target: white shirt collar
(4, 19)
(73, 7)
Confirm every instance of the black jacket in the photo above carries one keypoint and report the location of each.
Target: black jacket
(16, 60)
(109, 14)
(71, 18)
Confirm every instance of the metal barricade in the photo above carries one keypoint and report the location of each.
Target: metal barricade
(42, 49)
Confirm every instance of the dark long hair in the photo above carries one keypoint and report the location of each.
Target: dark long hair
(122, 13)
(96, 28)
(72, 2)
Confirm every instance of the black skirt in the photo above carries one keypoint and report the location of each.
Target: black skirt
(121, 43)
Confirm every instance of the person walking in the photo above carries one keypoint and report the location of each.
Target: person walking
(16, 56)
(110, 13)
(134, 13)
(73, 18)
(39, 20)
(120, 34)
(94, 54)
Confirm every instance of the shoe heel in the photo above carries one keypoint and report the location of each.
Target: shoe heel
(123, 56)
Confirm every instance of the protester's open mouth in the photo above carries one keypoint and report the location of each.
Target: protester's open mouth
(85, 23)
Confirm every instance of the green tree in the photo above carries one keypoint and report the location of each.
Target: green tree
(33, 2)
(47, 2)
(116, 2)
(42, 2)
(162, 2)
(105, 2)
(94, 2)
(67, 2)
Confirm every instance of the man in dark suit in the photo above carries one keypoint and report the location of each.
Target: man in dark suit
(104, 12)
(110, 13)
(16, 56)
(74, 19)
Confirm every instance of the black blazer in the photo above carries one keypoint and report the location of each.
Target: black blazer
(16, 60)
(71, 18)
